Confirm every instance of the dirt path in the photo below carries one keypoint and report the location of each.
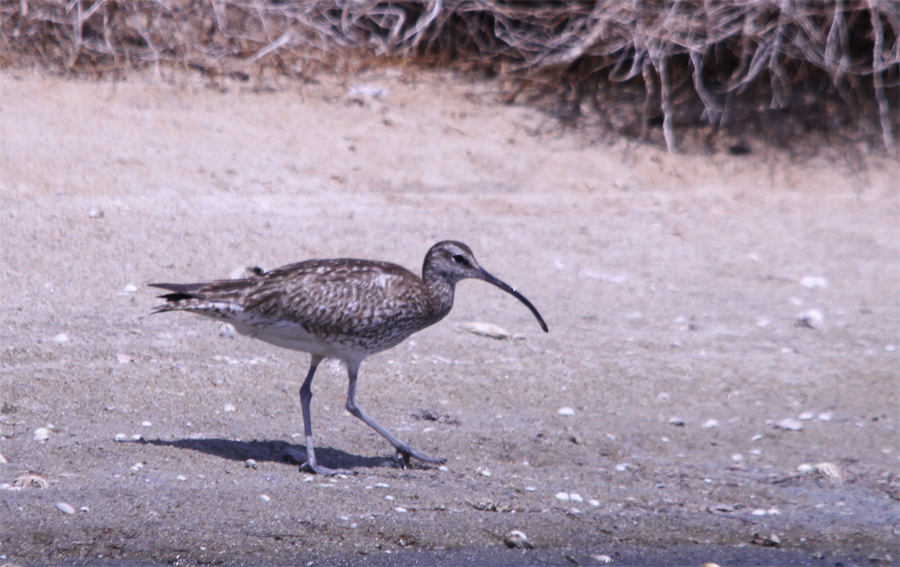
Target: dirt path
(672, 288)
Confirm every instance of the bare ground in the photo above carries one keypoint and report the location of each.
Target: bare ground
(672, 287)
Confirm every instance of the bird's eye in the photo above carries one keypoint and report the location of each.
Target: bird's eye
(459, 259)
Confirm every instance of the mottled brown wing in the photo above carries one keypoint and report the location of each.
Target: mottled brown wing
(340, 297)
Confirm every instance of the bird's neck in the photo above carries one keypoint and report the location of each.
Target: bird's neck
(440, 293)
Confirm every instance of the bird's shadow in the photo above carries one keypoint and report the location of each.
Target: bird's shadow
(272, 451)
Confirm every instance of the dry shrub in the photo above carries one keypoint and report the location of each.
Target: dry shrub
(792, 65)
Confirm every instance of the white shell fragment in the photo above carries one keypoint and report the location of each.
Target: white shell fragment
(264, 497)
(806, 416)
(517, 540)
(226, 330)
(41, 434)
(813, 282)
(485, 330)
(483, 472)
(229, 408)
(562, 496)
(565, 411)
(61, 338)
(96, 213)
(710, 423)
(604, 277)
(790, 424)
(830, 471)
(65, 508)
(605, 559)
(129, 288)
(812, 318)
(124, 358)
(31, 480)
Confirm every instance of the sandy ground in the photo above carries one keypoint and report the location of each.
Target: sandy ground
(672, 288)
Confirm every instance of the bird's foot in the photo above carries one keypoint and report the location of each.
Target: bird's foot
(314, 468)
(405, 455)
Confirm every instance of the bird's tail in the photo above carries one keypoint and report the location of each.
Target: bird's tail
(183, 296)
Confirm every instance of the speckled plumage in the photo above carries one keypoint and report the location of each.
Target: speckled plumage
(341, 308)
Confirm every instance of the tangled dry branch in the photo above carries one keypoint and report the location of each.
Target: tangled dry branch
(715, 53)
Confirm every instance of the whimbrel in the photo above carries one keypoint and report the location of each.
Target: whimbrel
(343, 309)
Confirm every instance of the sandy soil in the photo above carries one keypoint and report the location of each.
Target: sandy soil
(672, 288)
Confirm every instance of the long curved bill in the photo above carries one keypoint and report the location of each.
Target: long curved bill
(510, 290)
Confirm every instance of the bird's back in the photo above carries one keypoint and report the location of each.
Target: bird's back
(333, 307)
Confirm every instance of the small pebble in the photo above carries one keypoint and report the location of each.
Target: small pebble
(400, 509)
(181, 477)
(758, 512)
(65, 508)
(530, 488)
(812, 318)
(807, 415)
(61, 338)
(562, 496)
(737, 457)
(605, 559)
(517, 540)
(137, 466)
(825, 416)
(575, 497)
(710, 423)
(96, 213)
(124, 358)
(250, 464)
(226, 330)
(146, 424)
(389, 497)
(573, 511)
(3, 460)
(790, 424)
(622, 467)
(264, 497)
(813, 282)
(565, 411)
(229, 408)
(483, 472)
(676, 421)
(594, 503)
(120, 437)
(130, 288)
(41, 434)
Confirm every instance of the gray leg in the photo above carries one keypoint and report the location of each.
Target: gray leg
(405, 450)
(305, 398)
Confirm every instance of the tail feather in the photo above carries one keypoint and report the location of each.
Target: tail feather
(180, 293)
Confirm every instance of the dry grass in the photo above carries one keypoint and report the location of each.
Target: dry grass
(813, 64)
